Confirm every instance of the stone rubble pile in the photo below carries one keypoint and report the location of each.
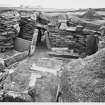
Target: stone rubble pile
(23, 86)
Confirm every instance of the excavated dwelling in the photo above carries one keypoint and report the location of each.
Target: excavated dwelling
(42, 78)
(20, 83)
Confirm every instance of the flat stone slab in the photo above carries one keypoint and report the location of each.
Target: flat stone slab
(41, 86)
(64, 55)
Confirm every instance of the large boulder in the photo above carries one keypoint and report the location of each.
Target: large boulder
(83, 80)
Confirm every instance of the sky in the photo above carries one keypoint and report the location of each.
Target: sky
(59, 4)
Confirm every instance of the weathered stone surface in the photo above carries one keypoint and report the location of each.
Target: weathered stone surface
(16, 58)
(16, 97)
(45, 86)
(2, 65)
(84, 79)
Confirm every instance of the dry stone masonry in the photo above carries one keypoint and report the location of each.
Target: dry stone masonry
(9, 29)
